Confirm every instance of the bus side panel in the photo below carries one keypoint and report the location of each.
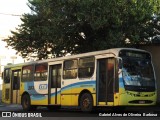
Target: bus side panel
(6, 93)
(66, 93)
(39, 99)
(66, 100)
(37, 95)
(73, 91)
(80, 86)
(22, 90)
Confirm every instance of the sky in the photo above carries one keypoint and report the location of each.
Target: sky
(8, 22)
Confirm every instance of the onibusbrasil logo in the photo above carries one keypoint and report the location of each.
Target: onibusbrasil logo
(15, 114)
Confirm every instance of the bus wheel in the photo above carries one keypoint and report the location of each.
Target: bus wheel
(86, 102)
(26, 102)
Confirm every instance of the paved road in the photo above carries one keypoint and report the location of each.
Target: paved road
(75, 112)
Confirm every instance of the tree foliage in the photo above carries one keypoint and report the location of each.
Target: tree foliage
(58, 27)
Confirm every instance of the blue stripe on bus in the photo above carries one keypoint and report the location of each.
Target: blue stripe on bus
(78, 84)
(30, 84)
(53, 94)
(38, 97)
(26, 84)
(74, 85)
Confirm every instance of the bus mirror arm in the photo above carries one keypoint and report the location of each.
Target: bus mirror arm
(119, 60)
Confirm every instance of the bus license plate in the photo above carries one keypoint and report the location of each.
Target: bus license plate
(141, 102)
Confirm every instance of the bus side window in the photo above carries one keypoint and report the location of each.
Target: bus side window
(27, 73)
(86, 67)
(70, 69)
(7, 76)
(41, 72)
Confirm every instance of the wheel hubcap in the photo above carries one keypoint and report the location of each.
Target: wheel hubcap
(86, 103)
(25, 103)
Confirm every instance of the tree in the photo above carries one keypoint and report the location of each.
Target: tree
(58, 27)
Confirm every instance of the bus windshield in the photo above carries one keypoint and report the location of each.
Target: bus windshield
(138, 73)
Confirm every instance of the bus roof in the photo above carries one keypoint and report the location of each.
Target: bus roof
(114, 51)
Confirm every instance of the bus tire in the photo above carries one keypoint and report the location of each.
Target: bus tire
(86, 102)
(26, 103)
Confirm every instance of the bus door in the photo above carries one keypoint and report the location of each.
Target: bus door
(55, 84)
(15, 95)
(105, 81)
(6, 89)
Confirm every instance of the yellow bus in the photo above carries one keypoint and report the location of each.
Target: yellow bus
(113, 77)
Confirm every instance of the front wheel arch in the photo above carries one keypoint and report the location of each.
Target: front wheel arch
(86, 101)
(26, 102)
(82, 92)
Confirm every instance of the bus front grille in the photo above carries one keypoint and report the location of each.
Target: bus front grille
(141, 101)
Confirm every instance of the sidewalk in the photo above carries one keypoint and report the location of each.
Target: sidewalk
(1, 104)
(9, 105)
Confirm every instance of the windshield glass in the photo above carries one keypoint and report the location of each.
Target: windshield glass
(138, 73)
